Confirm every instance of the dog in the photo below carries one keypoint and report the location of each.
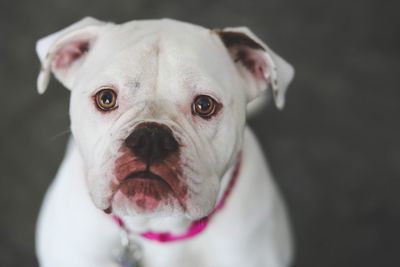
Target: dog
(161, 169)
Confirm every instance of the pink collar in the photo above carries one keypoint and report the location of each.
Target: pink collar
(197, 226)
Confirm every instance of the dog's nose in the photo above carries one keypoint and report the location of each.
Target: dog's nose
(151, 142)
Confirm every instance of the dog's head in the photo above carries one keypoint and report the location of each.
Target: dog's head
(158, 107)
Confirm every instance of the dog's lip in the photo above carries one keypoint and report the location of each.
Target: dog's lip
(146, 175)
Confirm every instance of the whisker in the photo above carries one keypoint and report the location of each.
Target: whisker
(60, 134)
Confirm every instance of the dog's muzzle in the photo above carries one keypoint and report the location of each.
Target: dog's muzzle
(149, 171)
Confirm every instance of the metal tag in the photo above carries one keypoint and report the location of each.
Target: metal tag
(130, 253)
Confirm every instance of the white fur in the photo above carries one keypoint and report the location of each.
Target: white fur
(157, 68)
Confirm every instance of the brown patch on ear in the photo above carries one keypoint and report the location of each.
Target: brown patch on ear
(230, 39)
(246, 51)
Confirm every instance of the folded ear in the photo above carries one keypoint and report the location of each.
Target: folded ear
(260, 66)
(63, 52)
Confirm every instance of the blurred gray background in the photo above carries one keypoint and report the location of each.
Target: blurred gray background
(334, 149)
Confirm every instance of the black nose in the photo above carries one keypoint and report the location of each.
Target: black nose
(151, 142)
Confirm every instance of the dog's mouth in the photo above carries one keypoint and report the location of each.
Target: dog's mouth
(146, 189)
(146, 176)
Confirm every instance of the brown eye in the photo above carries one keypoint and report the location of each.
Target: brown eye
(204, 106)
(106, 99)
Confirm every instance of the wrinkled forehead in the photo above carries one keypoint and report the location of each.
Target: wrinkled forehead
(168, 51)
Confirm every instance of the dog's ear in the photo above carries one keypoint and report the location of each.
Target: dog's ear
(63, 52)
(258, 64)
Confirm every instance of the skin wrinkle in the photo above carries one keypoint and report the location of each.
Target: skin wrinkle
(189, 162)
(199, 181)
(215, 131)
(191, 138)
(190, 168)
(128, 126)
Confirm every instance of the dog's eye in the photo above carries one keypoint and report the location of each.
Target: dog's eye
(204, 106)
(106, 99)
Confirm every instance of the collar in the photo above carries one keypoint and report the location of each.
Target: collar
(196, 227)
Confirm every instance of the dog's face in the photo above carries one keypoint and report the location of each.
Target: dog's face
(175, 124)
(158, 108)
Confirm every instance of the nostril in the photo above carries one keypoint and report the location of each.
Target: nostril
(169, 143)
(135, 140)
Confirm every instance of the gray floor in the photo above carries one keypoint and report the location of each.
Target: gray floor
(334, 149)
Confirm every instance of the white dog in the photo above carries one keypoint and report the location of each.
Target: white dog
(161, 170)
